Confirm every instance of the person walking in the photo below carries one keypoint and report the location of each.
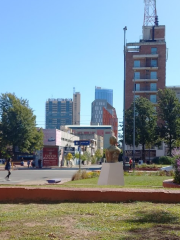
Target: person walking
(28, 163)
(8, 168)
(130, 163)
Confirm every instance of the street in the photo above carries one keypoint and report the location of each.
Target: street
(36, 176)
(40, 176)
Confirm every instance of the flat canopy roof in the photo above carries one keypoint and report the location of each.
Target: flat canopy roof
(89, 126)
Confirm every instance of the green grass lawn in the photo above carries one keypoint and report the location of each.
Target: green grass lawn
(90, 221)
(130, 182)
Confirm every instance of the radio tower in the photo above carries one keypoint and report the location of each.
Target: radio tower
(150, 13)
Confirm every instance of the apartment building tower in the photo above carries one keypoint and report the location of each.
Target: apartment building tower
(76, 108)
(146, 65)
(59, 112)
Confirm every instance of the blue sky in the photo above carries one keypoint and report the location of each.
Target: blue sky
(47, 47)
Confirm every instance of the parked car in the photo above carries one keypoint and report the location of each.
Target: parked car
(167, 168)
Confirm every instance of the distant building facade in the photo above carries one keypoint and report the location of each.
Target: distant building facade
(76, 108)
(56, 145)
(104, 131)
(58, 112)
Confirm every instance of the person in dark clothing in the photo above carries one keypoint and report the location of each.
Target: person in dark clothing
(39, 163)
(8, 168)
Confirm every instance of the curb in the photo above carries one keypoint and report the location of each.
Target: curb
(170, 184)
(28, 194)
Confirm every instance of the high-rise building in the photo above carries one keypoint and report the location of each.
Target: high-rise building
(76, 108)
(102, 113)
(146, 61)
(58, 112)
(104, 94)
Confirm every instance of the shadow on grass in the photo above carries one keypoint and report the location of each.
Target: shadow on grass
(158, 216)
(161, 225)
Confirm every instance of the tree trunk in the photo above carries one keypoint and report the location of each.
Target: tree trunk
(143, 153)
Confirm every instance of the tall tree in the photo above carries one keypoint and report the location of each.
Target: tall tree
(169, 117)
(145, 123)
(18, 125)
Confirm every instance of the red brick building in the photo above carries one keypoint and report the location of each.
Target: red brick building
(111, 119)
(146, 65)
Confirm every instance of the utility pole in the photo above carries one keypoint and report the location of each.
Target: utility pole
(125, 28)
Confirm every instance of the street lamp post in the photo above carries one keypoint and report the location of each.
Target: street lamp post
(125, 28)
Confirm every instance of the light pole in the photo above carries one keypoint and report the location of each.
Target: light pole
(125, 28)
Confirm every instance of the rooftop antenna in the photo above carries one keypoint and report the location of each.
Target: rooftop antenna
(73, 90)
(150, 13)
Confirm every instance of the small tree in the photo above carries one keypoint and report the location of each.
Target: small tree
(69, 156)
(98, 154)
(87, 156)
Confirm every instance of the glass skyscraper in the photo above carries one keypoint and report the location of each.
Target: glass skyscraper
(104, 94)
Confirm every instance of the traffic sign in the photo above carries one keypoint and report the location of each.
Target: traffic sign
(82, 142)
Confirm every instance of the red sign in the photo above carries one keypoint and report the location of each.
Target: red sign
(50, 156)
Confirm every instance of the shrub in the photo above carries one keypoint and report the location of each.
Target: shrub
(164, 160)
(155, 160)
(84, 175)
(93, 160)
(76, 176)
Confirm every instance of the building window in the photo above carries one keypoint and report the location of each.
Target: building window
(136, 96)
(153, 98)
(153, 50)
(153, 86)
(153, 75)
(153, 63)
(137, 75)
(137, 87)
(136, 63)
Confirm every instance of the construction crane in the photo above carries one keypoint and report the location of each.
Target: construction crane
(150, 13)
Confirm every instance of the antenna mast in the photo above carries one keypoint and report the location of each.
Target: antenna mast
(150, 13)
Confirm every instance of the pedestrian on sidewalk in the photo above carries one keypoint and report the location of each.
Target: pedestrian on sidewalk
(8, 168)
(28, 163)
(40, 163)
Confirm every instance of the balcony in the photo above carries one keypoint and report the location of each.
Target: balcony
(146, 67)
(145, 90)
(145, 78)
(145, 56)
